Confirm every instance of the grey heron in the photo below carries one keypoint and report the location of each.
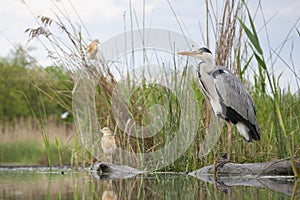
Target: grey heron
(228, 97)
(108, 144)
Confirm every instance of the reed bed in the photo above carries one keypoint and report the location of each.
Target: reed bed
(237, 47)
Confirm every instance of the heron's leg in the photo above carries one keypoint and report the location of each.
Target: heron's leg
(229, 140)
(215, 169)
(226, 157)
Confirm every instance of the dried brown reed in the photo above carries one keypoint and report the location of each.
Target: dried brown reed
(28, 129)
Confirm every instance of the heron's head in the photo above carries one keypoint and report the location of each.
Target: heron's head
(106, 131)
(202, 53)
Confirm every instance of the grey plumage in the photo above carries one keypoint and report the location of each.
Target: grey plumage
(227, 95)
(236, 102)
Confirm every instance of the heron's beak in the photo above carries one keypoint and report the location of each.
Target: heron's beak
(188, 53)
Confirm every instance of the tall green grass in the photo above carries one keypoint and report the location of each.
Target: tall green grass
(33, 153)
(280, 114)
(237, 48)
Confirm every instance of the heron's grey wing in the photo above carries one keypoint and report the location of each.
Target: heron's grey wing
(234, 95)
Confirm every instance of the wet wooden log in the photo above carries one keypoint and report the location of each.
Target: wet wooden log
(111, 171)
(275, 175)
(278, 167)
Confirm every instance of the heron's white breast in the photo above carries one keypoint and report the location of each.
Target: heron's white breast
(211, 92)
(216, 106)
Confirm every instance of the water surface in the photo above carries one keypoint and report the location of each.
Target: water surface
(41, 183)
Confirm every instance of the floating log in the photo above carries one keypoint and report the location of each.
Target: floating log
(276, 175)
(278, 167)
(111, 171)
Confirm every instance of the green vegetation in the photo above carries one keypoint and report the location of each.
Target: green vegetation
(29, 91)
(32, 153)
(237, 47)
(21, 80)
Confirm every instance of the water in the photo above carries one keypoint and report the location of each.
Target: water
(40, 183)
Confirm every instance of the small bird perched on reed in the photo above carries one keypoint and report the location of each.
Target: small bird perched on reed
(108, 144)
(92, 49)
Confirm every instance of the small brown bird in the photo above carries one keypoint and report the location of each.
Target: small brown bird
(92, 49)
(108, 144)
(109, 195)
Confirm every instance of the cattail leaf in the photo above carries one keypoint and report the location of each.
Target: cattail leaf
(260, 61)
(252, 37)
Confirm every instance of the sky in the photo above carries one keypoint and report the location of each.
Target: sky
(105, 19)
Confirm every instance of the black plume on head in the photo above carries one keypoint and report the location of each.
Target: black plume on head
(204, 49)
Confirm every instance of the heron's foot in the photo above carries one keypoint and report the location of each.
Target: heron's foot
(222, 161)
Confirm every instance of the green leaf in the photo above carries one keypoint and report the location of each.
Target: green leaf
(255, 43)
(246, 65)
(252, 37)
(260, 61)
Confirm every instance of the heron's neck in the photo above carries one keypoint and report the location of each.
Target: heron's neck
(210, 61)
(209, 66)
